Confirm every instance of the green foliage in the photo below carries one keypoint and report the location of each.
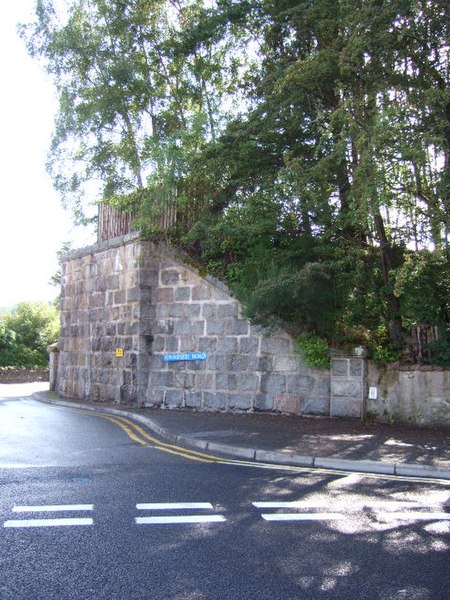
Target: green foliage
(314, 350)
(25, 334)
(423, 284)
(440, 350)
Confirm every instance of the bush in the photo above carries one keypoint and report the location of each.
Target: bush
(25, 334)
(314, 350)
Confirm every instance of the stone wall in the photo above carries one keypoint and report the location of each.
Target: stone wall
(244, 369)
(101, 303)
(128, 304)
(132, 296)
(416, 395)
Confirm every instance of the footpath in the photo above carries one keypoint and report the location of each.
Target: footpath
(313, 442)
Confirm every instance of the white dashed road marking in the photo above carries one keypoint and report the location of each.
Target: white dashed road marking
(56, 522)
(177, 519)
(47, 522)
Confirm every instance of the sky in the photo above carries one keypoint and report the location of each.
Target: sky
(33, 224)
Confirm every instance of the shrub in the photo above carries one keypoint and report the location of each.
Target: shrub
(25, 334)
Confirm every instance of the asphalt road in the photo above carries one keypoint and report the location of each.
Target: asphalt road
(92, 507)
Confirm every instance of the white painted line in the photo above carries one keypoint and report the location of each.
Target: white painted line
(180, 519)
(53, 508)
(386, 505)
(174, 506)
(414, 515)
(302, 516)
(47, 522)
(293, 504)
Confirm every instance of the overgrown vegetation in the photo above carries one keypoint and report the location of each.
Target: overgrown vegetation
(25, 334)
(298, 149)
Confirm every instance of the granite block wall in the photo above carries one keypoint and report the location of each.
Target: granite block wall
(127, 304)
(243, 369)
(100, 344)
(140, 326)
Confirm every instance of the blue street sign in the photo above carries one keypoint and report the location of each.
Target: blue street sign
(185, 356)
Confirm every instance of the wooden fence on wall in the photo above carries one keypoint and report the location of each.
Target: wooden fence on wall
(113, 222)
(163, 215)
(422, 337)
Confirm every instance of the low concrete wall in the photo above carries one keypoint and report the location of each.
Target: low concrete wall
(416, 395)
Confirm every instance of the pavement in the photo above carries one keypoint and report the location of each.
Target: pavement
(312, 442)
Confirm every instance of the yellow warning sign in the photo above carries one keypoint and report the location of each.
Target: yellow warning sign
(119, 352)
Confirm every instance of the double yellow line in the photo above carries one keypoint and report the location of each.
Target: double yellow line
(142, 437)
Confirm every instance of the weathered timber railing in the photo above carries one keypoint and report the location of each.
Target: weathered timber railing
(422, 337)
(113, 222)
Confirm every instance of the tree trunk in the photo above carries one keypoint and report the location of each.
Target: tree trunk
(394, 311)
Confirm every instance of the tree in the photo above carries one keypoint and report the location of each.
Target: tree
(131, 106)
(343, 132)
(310, 197)
(25, 334)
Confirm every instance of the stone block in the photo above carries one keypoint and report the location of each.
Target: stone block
(356, 367)
(191, 310)
(207, 344)
(183, 379)
(286, 403)
(164, 295)
(346, 407)
(238, 362)
(299, 384)
(204, 381)
(145, 295)
(247, 382)
(154, 397)
(201, 292)
(227, 311)
(189, 343)
(132, 328)
(112, 282)
(248, 345)
(346, 387)
(240, 401)
(97, 300)
(164, 326)
(189, 328)
(273, 384)
(215, 327)
(322, 388)
(276, 346)
(261, 363)
(263, 402)
(339, 367)
(228, 345)
(175, 311)
(162, 310)
(170, 277)
(172, 344)
(182, 294)
(226, 381)
(215, 401)
(193, 399)
(174, 398)
(162, 379)
(148, 277)
(208, 311)
(237, 327)
(315, 406)
(285, 364)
